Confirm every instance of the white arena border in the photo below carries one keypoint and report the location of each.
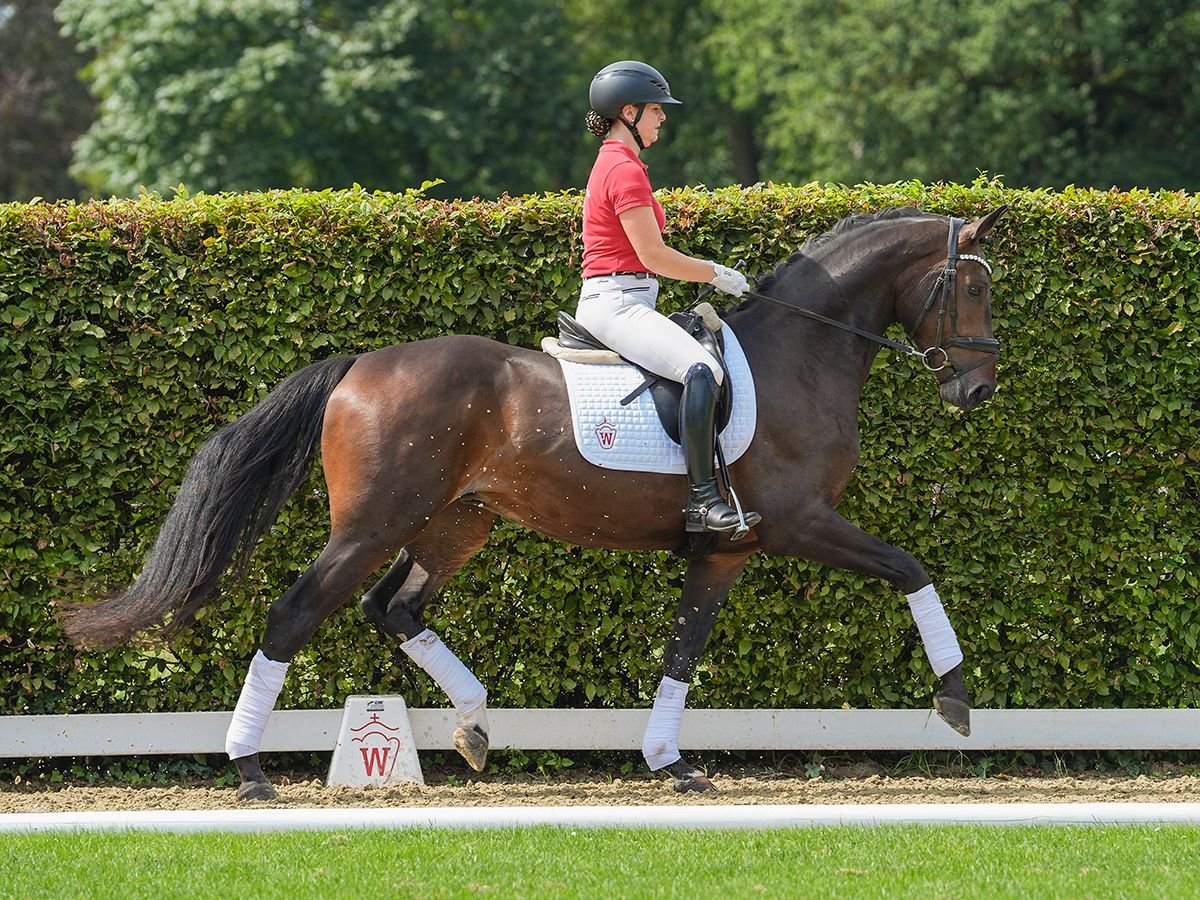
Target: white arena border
(675, 817)
(118, 734)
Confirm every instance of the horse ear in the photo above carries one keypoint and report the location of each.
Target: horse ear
(974, 232)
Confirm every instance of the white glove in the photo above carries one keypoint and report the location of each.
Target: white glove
(729, 281)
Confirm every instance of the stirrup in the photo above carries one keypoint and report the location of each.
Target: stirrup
(705, 504)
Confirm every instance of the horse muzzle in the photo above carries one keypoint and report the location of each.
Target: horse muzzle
(969, 389)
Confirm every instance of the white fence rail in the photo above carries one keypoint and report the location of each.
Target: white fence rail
(139, 734)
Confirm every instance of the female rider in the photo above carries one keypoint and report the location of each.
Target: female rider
(623, 251)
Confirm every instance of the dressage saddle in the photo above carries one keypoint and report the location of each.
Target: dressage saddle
(665, 392)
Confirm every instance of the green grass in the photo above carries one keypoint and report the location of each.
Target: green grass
(893, 861)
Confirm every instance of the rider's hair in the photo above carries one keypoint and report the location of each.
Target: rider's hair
(597, 124)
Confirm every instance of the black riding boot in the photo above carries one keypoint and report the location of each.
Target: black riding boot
(706, 509)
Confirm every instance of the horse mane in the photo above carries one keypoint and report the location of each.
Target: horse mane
(844, 226)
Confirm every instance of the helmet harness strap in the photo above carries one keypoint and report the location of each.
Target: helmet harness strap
(632, 126)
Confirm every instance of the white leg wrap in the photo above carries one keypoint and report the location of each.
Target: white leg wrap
(463, 688)
(660, 743)
(263, 683)
(941, 646)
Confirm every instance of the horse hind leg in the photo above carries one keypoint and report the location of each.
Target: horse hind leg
(395, 603)
(291, 622)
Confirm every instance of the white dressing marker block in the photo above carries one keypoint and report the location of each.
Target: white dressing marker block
(375, 745)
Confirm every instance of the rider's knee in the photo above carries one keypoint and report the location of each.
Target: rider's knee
(705, 370)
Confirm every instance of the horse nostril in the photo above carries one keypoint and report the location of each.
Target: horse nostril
(979, 394)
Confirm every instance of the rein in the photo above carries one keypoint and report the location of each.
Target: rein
(944, 288)
(808, 313)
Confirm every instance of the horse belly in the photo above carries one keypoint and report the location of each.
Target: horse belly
(573, 501)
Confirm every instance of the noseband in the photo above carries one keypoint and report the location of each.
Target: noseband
(945, 289)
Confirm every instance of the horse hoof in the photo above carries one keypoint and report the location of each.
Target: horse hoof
(698, 785)
(256, 790)
(690, 780)
(954, 712)
(472, 745)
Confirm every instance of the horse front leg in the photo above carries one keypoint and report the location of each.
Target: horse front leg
(705, 589)
(831, 540)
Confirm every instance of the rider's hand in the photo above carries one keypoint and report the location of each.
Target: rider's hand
(729, 281)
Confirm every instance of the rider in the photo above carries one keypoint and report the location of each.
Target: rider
(623, 251)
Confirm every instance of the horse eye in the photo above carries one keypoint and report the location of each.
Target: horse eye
(974, 290)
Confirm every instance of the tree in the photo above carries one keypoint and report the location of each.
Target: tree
(706, 140)
(1044, 92)
(490, 97)
(43, 105)
(255, 94)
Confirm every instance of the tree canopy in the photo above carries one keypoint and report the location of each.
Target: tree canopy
(1043, 92)
(43, 104)
(489, 98)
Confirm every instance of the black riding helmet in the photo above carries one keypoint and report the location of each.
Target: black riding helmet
(625, 82)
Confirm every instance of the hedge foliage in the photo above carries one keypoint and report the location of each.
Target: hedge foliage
(1059, 520)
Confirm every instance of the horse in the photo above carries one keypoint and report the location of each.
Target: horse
(417, 480)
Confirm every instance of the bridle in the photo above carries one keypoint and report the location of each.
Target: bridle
(943, 290)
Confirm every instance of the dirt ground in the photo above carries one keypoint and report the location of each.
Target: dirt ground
(860, 782)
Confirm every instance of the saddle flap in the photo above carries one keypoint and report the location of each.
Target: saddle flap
(668, 394)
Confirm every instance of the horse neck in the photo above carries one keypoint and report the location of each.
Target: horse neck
(869, 275)
(854, 284)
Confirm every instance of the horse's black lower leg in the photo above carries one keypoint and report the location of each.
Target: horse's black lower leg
(705, 588)
(254, 784)
(391, 605)
(394, 606)
(829, 539)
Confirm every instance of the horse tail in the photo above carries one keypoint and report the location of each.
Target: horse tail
(232, 492)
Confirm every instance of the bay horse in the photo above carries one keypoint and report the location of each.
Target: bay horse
(419, 481)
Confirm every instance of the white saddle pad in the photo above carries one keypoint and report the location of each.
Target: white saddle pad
(631, 437)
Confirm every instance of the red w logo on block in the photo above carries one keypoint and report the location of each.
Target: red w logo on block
(377, 746)
(375, 757)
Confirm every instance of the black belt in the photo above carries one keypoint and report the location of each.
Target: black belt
(634, 274)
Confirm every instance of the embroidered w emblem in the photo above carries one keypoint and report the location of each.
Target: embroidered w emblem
(606, 434)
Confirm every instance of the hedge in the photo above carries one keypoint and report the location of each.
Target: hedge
(1059, 520)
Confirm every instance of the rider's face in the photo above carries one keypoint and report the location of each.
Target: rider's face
(652, 118)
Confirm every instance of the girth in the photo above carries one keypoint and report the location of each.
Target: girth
(666, 393)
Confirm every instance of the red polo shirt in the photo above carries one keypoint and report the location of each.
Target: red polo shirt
(618, 182)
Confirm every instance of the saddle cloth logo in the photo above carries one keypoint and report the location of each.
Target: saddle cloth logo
(606, 435)
(631, 438)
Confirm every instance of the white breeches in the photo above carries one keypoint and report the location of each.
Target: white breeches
(620, 311)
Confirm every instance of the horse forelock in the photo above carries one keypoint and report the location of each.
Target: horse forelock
(854, 224)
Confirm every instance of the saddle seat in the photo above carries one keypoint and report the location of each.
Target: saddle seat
(577, 344)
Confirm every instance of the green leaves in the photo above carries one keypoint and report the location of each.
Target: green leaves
(1044, 93)
(1058, 521)
(282, 93)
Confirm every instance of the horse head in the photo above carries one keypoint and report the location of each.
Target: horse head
(951, 321)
